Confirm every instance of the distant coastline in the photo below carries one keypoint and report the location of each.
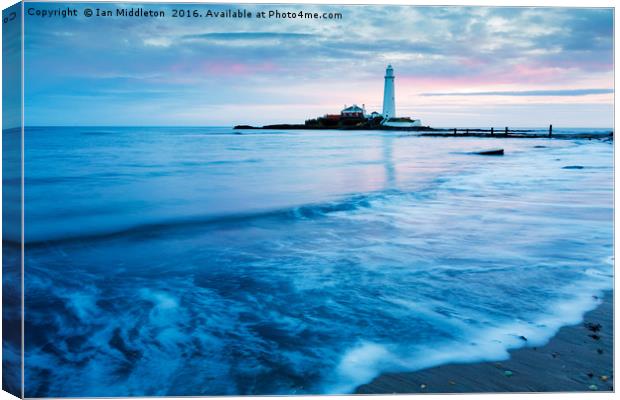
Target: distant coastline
(374, 125)
(370, 125)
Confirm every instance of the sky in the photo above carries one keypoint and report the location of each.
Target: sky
(454, 66)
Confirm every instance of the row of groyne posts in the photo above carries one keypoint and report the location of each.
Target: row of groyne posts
(492, 131)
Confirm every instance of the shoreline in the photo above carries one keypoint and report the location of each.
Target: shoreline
(579, 358)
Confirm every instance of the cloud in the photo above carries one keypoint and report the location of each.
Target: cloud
(563, 92)
(158, 41)
(438, 51)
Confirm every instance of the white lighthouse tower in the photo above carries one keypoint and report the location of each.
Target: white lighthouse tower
(389, 105)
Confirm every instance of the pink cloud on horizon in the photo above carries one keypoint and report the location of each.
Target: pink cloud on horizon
(523, 76)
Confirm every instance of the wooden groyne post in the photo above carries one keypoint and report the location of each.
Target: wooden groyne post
(506, 131)
(550, 130)
(492, 133)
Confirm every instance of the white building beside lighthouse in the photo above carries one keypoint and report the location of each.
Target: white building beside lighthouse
(389, 104)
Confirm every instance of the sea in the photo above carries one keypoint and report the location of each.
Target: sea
(211, 261)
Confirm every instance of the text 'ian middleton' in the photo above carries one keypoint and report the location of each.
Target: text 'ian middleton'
(140, 12)
(130, 12)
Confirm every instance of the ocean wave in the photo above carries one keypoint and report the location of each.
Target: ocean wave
(368, 360)
(303, 212)
(322, 297)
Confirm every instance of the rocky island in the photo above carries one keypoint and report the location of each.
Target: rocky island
(355, 117)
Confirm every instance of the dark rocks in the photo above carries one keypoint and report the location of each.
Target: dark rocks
(285, 126)
(495, 152)
(245, 127)
(592, 327)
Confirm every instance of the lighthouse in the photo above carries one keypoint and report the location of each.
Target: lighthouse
(389, 106)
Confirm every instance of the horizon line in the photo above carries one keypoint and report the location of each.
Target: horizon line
(232, 126)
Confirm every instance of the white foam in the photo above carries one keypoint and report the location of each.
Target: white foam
(367, 360)
(360, 364)
(161, 300)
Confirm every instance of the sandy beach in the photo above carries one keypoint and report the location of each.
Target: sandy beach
(579, 358)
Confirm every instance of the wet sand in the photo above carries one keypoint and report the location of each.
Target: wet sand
(579, 358)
